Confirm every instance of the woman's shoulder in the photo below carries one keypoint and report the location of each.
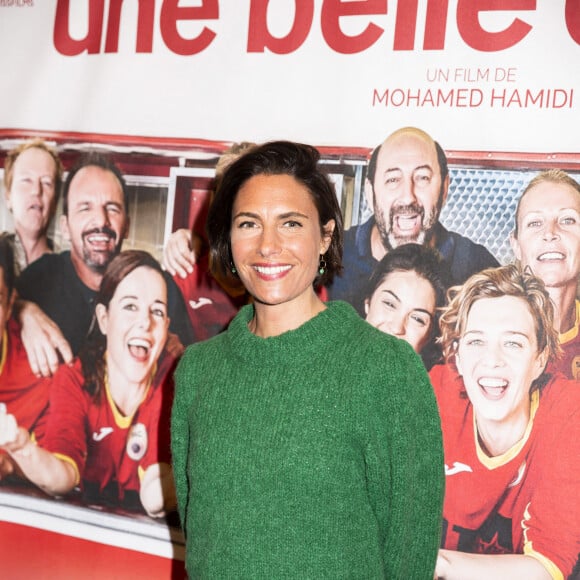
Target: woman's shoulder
(353, 326)
(71, 373)
(68, 383)
(371, 352)
(560, 398)
(361, 336)
(205, 347)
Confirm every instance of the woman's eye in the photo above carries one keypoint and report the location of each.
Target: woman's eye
(534, 224)
(292, 224)
(474, 342)
(159, 313)
(420, 320)
(513, 344)
(246, 225)
(568, 220)
(389, 304)
(130, 307)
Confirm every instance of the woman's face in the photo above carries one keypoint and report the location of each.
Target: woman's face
(549, 233)
(276, 239)
(404, 306)
(498, 358)
(31, 197)
(135, 324)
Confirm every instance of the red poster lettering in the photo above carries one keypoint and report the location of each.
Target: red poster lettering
(171, 13)
(332, 10)
(91, 43)
(259, 37)
(435, 25)
(476, 37)
(145, 24)
(573, 19)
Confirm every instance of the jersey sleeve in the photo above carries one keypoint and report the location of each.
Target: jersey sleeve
(65, 428)
(158, 415)
(551, 522)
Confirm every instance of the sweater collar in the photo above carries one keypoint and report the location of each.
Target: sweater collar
(313, 335)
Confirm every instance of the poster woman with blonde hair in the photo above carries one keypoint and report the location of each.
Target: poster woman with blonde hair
(546, 238)
(511, 434)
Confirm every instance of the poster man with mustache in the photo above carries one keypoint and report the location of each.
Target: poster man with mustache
(95, 222)
(406, 186)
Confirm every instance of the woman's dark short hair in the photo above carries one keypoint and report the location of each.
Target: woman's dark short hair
(274, 158)
(428, 264)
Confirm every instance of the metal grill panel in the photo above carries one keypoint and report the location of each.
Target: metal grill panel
(481, 205)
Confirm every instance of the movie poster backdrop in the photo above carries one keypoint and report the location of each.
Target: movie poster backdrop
(166, 86)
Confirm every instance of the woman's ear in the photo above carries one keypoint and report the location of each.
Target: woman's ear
(541, 362)
(327, 231)
(457, 360)
(366, 306)
(102, 317)
(515, 245)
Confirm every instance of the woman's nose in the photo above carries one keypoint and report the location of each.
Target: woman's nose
(396, 325)
(269, 242)
(494, 355)
(551, 231)
(145, 319)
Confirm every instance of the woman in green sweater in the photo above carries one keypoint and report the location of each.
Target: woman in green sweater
(306, 443)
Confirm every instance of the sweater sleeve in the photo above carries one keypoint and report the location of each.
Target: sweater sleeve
(180, 435)
(416, 485)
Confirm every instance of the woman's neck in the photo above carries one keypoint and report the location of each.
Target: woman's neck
(34, 246)
(127, 395)
(273, 320)
(564, 300)
(498, 437)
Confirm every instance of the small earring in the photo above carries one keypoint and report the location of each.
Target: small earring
(233, 268)
(322, 265)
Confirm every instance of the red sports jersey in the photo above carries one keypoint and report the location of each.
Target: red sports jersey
(209, 306)
(521, 502)
(25, 395)
(108, 449)
(569, 363)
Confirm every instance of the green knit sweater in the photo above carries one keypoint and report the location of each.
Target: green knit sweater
(313, 454)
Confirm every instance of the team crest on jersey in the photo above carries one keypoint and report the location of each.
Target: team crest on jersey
(137, 441)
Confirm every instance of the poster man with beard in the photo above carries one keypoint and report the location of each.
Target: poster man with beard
(95, 221)
(406, 187)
